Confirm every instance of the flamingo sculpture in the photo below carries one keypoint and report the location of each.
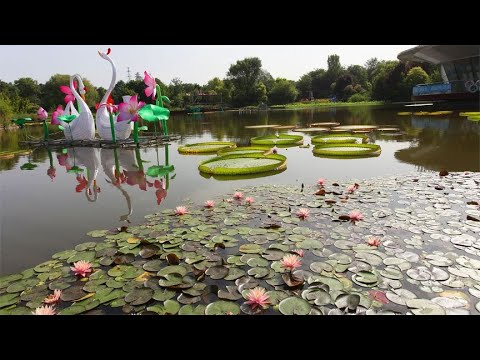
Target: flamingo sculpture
(82, 127)
(123, 129)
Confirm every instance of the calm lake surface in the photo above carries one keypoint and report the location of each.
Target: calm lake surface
(46, 210)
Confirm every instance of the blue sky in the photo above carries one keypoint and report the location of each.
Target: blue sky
(191, 63)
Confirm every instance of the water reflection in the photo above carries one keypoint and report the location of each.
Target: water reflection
(442, 143)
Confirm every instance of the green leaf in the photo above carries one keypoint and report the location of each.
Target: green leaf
(222, 307)
(294, 306)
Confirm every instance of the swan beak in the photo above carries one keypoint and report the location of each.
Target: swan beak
(83, 97)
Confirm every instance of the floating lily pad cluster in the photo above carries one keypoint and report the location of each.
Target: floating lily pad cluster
(338, 139)
(347, 150)
(207, 261)
(205, 147)
(244, 150)
(243, 163)
(280, 139)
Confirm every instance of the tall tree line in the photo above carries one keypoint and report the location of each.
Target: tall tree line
(245, 83)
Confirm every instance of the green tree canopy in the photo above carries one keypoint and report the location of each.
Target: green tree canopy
(52, 96)
(283, 92)
(245, 77)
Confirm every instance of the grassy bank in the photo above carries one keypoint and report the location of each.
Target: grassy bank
(301, 105)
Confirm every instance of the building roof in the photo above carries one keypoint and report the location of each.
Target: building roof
(439, 54)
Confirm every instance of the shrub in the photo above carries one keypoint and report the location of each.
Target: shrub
(358, 97)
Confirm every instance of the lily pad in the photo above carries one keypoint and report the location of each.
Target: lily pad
(222, 307)
(294, 306)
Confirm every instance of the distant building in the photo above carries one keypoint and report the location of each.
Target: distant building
(459, 68)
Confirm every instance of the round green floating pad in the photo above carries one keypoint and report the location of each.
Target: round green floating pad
(356, 127)
(261, 126)
(237, 164)
(311, 129)
(350, 150)
(285, 127)
(337, 139)
(244, 150)
(205, 147)
(474, 118)
(326, 123)
(282, 139)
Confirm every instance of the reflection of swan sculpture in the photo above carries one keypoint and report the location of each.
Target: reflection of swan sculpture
(123, 129)
(83, 126)
(89, 158)
(111, 161)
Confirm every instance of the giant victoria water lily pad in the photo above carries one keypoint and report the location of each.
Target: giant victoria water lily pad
(349, 150)
(237, 164)
(281, 139)
(205, 147)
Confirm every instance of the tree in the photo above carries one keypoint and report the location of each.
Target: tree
(359, 74)
(320, 83)
(219, 87)
(6, 110)
(52, 96)
(415, 76)
(244, 75)
(340, 84)
(283, 92)
(28, 89)
(101, 91)
(304, 86)
(267, 79)
(335, 69)
(370, 66)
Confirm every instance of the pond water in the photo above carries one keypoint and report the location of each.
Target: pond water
(46, 210)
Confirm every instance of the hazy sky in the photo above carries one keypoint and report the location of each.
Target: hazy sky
(191, 63)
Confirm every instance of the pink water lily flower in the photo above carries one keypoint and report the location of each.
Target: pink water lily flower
(151, 89)
(321, 182)
(351, 189)
(291, 262)
(374, 241)
(303, 213)
(249, 200)
(355, 216)
(81, 268)
(129, 111)
(180, 210)
(258, 297)
(44, 310)
(53, 298)
(209, 204)
(58, 112)
(299, 252)
(238, 195)
(68, 92)
(42, 114)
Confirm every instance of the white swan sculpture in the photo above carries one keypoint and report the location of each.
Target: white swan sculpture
(88, 157)
(122, 129)
(83, 126)
(126, 159)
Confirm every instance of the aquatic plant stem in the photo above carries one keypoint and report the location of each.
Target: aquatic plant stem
(112, 127)
(135, 132)
(45, 130)
(139, 159)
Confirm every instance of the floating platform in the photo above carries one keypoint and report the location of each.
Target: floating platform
(144, 141)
